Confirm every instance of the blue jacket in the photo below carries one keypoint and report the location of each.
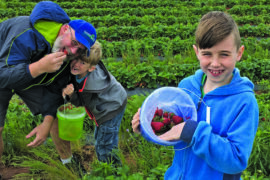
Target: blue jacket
(221, 149)
(21, 44)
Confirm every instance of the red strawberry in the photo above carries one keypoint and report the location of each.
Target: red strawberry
(166, 121)
(160, 112)
(171, 115)
(165, 114)
(156, 112)
(177, 119)
(66, 52)
(157, 126)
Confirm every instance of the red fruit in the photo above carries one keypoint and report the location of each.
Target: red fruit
(160, 112)
(171, 115)
(66, 52)
(156, 111)
(166, 121)
(177, 119)
(157, 126)
(263, 119)
(165, 114)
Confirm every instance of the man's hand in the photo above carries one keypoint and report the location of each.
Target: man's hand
(174, 133)
(136, 122)
(48, 64)
(41, 132)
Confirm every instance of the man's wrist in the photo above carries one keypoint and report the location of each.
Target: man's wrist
(35, 69)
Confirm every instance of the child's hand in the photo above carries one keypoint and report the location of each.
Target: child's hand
(69, 90)
(136, 122)
(174, 133)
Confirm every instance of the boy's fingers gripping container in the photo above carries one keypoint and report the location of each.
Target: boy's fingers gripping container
(170, 99)
(70, 122)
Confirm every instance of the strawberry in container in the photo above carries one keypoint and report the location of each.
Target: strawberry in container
(162, 109)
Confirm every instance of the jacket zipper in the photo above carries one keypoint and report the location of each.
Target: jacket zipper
(90, 114)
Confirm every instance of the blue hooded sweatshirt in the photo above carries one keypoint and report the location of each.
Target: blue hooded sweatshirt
(218, 149)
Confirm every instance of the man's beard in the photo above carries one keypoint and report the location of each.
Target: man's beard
(57, 44)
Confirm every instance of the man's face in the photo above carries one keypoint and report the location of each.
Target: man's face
(67, 42)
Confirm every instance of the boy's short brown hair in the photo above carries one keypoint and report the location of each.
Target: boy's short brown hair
(95, 54)
(214, 27)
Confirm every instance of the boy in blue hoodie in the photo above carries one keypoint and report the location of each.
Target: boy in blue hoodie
(220, 141)
(104, 99)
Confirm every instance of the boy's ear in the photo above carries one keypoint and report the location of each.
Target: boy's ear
(240, 53)
(196, 50)
(92, 68)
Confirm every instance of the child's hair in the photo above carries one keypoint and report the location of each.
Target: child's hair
(95, 55)
(214, 27)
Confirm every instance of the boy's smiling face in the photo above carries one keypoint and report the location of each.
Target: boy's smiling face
(80, 68)
(218, 62)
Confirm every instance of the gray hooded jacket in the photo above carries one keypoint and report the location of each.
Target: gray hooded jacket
(101, 93)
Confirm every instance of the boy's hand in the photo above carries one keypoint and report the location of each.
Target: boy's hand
(174, 133)
(69, 90)
(48, 64)
(136, 122)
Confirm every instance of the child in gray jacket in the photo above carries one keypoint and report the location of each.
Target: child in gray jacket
(104, 98)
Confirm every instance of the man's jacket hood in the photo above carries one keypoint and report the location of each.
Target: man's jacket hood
(50, 11)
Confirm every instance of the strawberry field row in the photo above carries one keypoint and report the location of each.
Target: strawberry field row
(227, 3)
(142, 3)
(141, 11)
(120, 33)
(128, 20)
(164, 46)
(166, 73)
(105, 4)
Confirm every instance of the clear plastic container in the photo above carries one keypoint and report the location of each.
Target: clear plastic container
(170, 99)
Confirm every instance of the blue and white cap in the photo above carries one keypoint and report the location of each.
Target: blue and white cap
(85, 33)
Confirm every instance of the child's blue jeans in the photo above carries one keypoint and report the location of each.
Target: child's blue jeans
(106, 137)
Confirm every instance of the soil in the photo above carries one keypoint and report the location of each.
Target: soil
(8, 172)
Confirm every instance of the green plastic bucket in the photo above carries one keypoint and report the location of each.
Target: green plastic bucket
(70, 122)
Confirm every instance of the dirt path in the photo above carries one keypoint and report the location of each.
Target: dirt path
(10, 172)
